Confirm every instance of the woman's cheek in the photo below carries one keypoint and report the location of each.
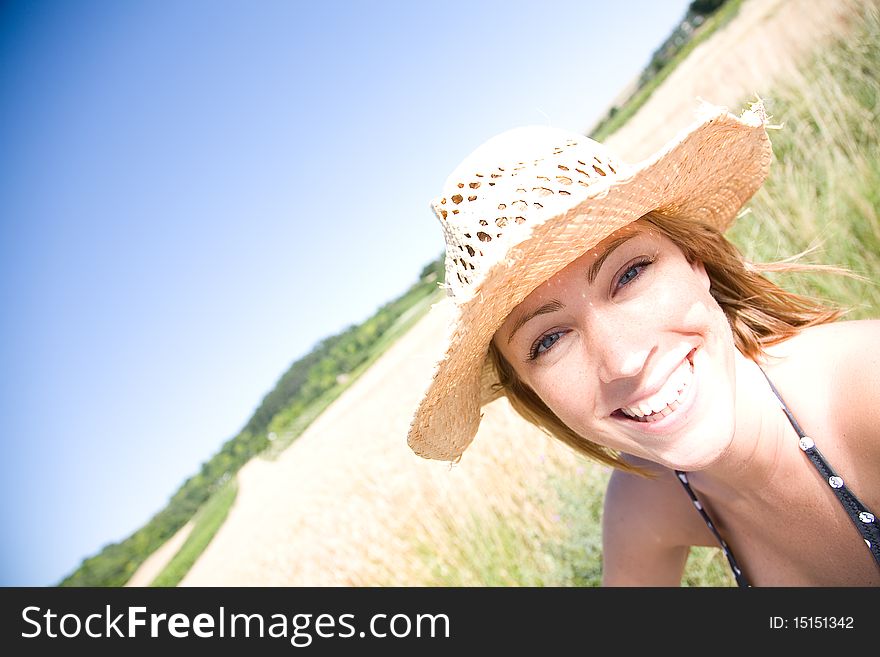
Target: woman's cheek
(559, 380)
(571, 396)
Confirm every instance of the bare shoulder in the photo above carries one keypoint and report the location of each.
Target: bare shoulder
(837, 366)
(648, 525)
(854, 376)
(853, 362)
(837, 339)
(845, 354)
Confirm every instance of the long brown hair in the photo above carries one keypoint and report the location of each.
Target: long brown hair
(760, 314)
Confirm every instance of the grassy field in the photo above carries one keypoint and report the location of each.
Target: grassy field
(823, 196)
(823, 193)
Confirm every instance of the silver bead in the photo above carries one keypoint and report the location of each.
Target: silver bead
(866, 517)
(806, 443)
(835, 482)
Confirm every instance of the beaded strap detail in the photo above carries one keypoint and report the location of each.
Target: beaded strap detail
(864, 521)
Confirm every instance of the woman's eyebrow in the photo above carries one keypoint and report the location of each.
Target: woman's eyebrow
(597, 265)
(549, 307)
(554, 305)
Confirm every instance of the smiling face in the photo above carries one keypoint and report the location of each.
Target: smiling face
(629, 349)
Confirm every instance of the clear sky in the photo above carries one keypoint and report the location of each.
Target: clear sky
(194, 193)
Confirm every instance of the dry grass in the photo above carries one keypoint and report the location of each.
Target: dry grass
(823, 194)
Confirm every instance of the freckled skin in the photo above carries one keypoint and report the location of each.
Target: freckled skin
(619, 335)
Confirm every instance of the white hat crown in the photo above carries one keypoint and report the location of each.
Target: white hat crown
(507, 187)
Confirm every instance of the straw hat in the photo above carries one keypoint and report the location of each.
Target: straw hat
(532, 200)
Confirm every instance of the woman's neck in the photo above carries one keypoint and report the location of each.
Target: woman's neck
(764, 443)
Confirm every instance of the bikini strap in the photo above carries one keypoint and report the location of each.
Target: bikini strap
(734, 566)
(862, 518)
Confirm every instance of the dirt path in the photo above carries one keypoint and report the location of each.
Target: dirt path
(336, 507)
(156, 562)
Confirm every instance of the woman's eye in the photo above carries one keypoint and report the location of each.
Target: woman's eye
(544, 343)
(633, 271)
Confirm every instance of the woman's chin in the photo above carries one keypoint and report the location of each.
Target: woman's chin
(700, 457)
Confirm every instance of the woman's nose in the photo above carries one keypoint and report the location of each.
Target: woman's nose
(621, 347)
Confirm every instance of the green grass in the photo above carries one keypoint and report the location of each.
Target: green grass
(707, 567)
(206, 522)
(823, 192)
(552, 539)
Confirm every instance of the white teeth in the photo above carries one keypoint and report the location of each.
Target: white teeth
(667, 399)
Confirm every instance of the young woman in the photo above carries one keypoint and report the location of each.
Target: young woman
(604, 301)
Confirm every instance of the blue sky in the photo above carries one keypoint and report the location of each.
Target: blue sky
(194, 193)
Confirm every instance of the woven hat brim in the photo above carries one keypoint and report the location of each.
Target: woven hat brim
(705, 174)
